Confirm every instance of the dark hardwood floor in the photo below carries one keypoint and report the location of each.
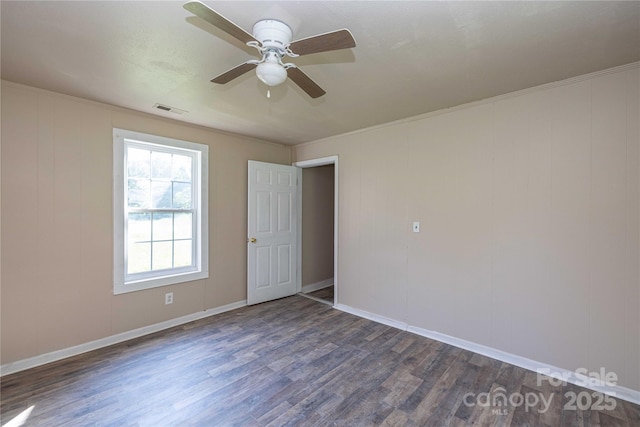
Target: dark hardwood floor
(289, 362)
(325, 294)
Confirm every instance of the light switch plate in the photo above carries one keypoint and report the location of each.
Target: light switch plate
(416, 226)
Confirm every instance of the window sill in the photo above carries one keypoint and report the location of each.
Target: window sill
(139, 285)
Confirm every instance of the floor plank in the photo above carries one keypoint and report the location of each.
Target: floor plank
(293, 361)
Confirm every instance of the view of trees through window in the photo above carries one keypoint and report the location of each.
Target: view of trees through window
(160, 215)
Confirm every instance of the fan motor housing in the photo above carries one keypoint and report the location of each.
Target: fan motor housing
(272, 33)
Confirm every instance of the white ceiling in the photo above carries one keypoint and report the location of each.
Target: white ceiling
(412, 57)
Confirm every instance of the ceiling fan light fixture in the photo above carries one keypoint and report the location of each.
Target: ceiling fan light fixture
(272, 38)
(271, 73)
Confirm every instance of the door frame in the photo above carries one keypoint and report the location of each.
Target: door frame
(312, 163)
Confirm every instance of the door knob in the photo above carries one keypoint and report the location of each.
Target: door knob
(252, 240)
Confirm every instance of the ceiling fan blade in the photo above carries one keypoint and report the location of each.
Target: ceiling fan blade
(237, 71)
(305, 83)
(204, 12)
(335, 40)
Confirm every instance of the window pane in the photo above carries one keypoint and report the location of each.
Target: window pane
(161, 255)
(182, 224)
(139, 192)
(139, 257)
(182, 253)
(162, 226)
(138, 162)
(181, 195)
(161, 194)
(160, 165)
(181, 170)
(139, 227)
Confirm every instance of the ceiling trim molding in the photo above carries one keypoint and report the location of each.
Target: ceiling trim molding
(120, 109)
(546, 86)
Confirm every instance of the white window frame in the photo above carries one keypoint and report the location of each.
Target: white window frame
(121, 283)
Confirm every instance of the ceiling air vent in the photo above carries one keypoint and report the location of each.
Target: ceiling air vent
(169, 109)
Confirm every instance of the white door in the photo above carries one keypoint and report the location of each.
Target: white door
(272, 228)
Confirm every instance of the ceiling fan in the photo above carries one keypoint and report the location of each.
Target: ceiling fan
(272, 39)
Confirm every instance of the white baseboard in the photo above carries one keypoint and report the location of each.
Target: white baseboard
(32, 362)
(616, 391)
(371, 316)
(312, 287)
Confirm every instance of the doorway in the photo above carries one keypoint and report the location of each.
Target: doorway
(318, 230)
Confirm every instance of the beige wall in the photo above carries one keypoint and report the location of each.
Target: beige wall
(529, 215)
(317, 224)
(57, 250)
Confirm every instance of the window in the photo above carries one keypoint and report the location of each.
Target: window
(160, 211)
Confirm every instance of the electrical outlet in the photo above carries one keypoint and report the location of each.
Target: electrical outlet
(168, 298)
